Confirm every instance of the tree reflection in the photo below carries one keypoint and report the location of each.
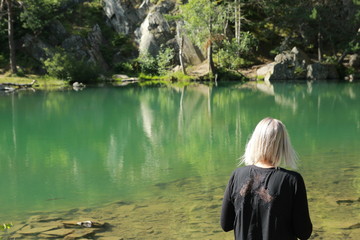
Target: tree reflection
(106, 144)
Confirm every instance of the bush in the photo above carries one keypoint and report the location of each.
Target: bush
(124, 67)
(65, 66)
(229, 53)
(59, 66)
(164, 60)
(148, 64)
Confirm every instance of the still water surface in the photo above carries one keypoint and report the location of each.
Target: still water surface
(66, 149)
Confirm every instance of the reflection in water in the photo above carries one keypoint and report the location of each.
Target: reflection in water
(101, 145)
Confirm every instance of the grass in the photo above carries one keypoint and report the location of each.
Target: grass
(42, 82)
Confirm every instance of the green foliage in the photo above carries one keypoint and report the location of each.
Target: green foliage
(37, 14)
(159, 65)
(59, 65)
(228, 55)
(227, 59)
(65, 66)
(314, 14)
(203, 19)
(248, 43)
(148, 64)
(330, 59)
(125, 67)
(354, 46)
(164, 60)
(179, 76)
(299, 71)
(80, 18)
(172, 17)
(145, 77)
(350, 70)
(5, 226)
(123, 43)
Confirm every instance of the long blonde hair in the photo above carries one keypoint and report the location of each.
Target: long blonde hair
(270, 143)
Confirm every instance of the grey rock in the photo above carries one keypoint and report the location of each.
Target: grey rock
(153, 32)
(87, 49)
(191, 53)
(296, 65)
(294, 57)
(354, 61)
(35, 47)
(282, 71)
(124, 16)
(95, 40)
(77, 45)
(318, 71)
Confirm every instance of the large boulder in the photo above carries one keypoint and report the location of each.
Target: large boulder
(191, 53)
(296, 65)
(154, 30)
(294, 57)
(318, 71)
(87, 49)
(123, 16)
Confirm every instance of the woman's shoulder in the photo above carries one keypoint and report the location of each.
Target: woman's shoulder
(245, 170)
(293, 175)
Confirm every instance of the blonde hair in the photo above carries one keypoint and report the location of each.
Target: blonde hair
(270, 143)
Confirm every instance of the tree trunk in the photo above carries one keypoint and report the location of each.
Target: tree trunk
(319, 47)
(11, 37)
(210, 58)
(237, 12)
(181, 55)
(210, 50)
(239, 21)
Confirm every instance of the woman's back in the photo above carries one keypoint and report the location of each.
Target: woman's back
(266, 203)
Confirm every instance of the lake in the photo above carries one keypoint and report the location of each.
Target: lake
(153, 162)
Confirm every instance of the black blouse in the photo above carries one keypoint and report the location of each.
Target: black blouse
(266, 204)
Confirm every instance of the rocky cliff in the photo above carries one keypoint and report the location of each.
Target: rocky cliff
(143, 22)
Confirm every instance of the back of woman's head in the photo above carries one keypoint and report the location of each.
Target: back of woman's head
(271, 144)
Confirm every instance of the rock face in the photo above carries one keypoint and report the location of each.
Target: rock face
(95, 40)
(141, 21)
(296, 65)
(35, 47)
(155, 30)
(83, 48)
(318, 71)
(192, 54)
(354, 61)
(123, 16)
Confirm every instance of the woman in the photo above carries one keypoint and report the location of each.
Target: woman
(263, 201)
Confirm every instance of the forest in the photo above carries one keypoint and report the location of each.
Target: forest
(90, 41)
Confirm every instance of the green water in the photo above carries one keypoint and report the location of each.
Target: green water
(63, 150)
